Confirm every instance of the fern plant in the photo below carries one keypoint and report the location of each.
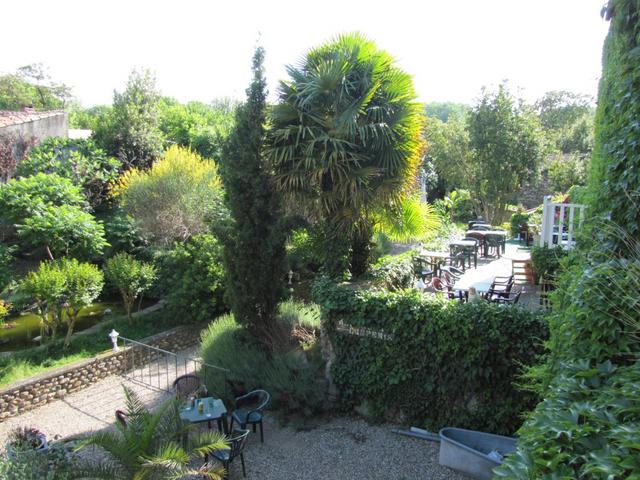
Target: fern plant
(153, 445)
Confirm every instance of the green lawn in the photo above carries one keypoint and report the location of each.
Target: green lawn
(26, 363)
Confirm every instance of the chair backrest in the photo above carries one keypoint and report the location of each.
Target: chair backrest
(257, 399)
(121, 417)
(472, 239)
(476, 236)
(482, 226)
(514, 295)
(186, 385)
(493, 240)
(237, 442)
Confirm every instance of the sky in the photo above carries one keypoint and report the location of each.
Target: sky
(201, 50)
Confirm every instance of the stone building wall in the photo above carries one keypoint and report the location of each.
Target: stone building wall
(49, 386)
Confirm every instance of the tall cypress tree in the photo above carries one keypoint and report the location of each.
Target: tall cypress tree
(254, 252)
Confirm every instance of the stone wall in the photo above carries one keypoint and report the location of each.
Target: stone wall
(49, 386)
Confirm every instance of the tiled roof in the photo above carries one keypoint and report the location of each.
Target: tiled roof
(8, 117)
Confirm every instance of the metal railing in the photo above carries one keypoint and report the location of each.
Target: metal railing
(157, 368)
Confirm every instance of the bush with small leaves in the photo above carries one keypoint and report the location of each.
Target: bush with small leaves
(130, 276)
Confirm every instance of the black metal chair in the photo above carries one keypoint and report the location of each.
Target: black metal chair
(422, 268)
(472, 251)
(500, 288)
(494, 242)
(189, 384)
(458, 256)
(511, 298)
(481, 227)
(237, 443)
(249, 410)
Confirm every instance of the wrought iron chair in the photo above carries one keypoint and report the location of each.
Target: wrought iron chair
(249, 410)
(189, 384)
(237, 443)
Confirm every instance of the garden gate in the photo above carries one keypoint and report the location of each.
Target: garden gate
(560, 222)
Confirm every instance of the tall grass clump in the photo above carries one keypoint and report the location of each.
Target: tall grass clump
(292, 373)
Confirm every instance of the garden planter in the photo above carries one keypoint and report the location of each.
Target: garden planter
(41, 447)
(473, 453)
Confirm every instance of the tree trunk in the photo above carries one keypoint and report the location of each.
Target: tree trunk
(71, 319)
(360, 248)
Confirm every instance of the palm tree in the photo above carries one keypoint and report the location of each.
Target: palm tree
(345, 140)
(150, 446)
(412, 220)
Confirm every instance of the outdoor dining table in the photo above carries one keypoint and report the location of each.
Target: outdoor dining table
(212, 409)
(481, 286)
(484, 233)
(435, 259)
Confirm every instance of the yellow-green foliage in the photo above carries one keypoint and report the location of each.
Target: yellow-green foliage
(175, 198)
(4, 310)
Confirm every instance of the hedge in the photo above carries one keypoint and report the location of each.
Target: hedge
(438, 363)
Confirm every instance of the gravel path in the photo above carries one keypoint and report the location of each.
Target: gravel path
(336, 448)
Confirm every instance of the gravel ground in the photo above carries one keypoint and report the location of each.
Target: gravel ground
(341, 448)
(334, 448)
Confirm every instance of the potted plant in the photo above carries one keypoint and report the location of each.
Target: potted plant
(26, 438)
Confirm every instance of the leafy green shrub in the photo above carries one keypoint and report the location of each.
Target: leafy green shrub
(176, 198)
(80, 161)
(567, 170)
(546, 260)
(587, 427)
(6, 262)
(191, 278)
(61, 289)
(517, 219)
(29, 464)
(303, 253)
(5, 308)
(294, 312)
(394, 272)
(438, 363)
(124, 235)
(130, 276)
(22, 197)
(63, 230)
(293, 378)
(598, 304)
(460, 205)
(381, 246)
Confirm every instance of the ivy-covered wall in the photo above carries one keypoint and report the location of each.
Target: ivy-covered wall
(615, 167)
(588, 426)
(432, 362)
